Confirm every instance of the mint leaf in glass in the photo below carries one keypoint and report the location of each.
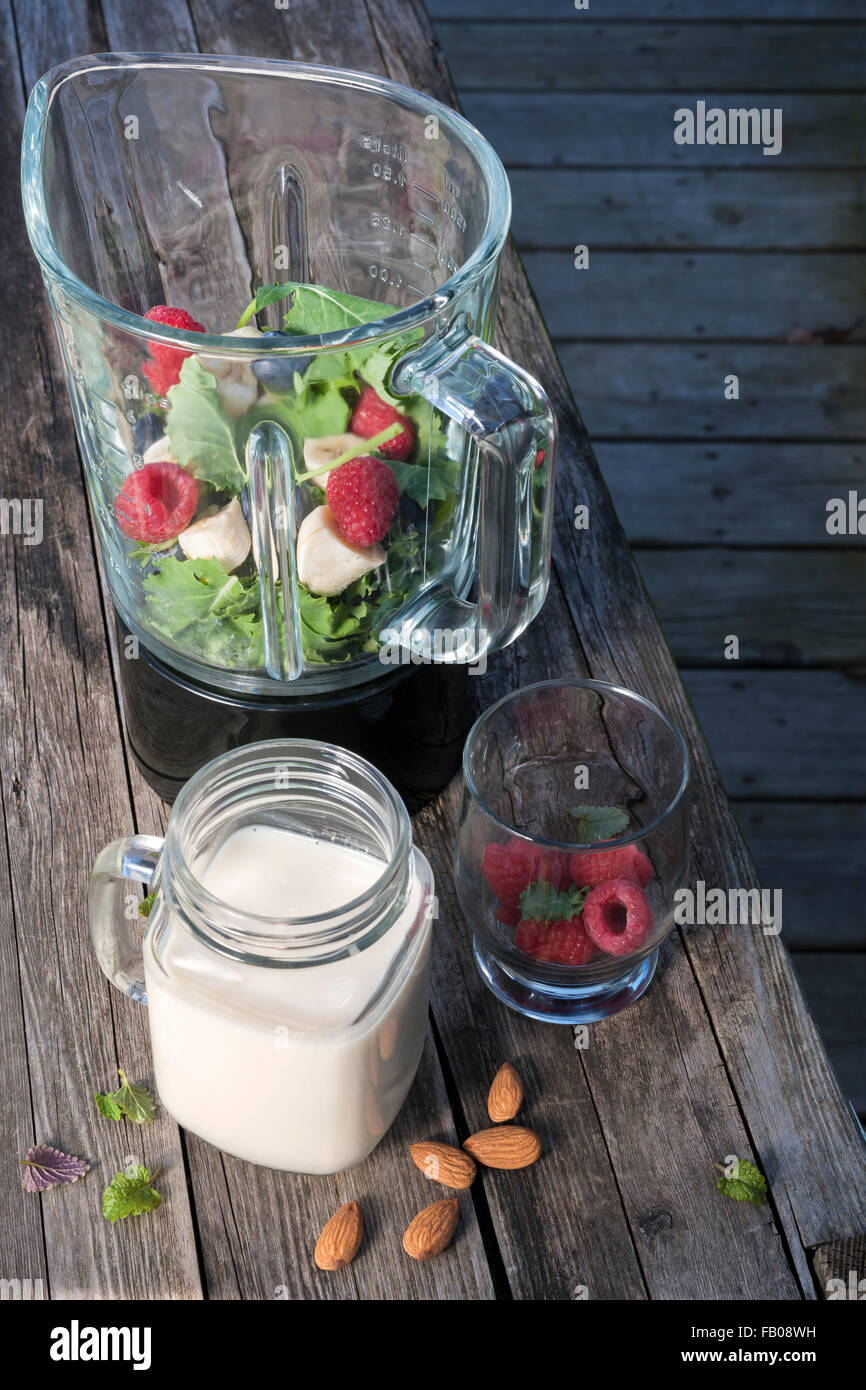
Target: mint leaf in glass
(146, 904)
(598, 823)
(742, 1181)
(130, 1194)
(541, 902)
(265, 295)
(46, 1167)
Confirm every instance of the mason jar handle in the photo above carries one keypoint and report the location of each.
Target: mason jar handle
(116, 926)
(507, 411)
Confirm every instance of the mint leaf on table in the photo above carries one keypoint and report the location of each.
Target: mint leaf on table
(201, 435)
(46, 1167)
(541, 902)
(107, 1105)
(133, 1101)
(130, 1194)
(598, 822)
(742, 1181)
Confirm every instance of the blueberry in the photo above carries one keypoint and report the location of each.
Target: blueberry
(146, 430)
(278, 373)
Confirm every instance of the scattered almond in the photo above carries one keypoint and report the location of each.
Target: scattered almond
(431, 1230)
(505, 1146)
(506, 1094)
(444, 1163)
(341, 1238)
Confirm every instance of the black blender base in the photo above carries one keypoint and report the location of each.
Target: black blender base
(411, 723)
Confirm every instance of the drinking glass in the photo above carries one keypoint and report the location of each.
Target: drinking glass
(572, 842)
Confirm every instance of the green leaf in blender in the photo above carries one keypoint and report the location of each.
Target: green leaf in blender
(202, 437)
(265, 295)
(208, 612)
(315, 309)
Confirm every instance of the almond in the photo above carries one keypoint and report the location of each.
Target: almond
(444, 1163)
(506, 1094)
(431, 1230)
(340, 1240)
(505, 1146)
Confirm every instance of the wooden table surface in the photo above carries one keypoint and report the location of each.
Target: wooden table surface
(720, 1057)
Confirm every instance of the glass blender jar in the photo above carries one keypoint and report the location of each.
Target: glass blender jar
(319, 509)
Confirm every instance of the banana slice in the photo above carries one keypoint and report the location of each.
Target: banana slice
(318, 453)
(224, 537)
(159, 452)
(327, 563)
(238, 387)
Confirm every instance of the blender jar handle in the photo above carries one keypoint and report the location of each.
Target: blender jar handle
(114, 915)
(507, 411)
(272, 526)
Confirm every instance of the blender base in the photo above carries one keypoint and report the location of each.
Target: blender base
(411, 723)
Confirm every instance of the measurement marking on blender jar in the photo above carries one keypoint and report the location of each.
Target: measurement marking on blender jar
(426, 269)
(413, 236)
(426, 192)
(419, 213)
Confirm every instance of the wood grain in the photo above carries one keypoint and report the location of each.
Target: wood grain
(633, 130)
(700, 295)
(752, 495)
(670, 58)
(742, 209)
(65, 796)
(786, 607)
(676, 391)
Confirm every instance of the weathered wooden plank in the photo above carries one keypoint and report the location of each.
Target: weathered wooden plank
(671, 391)
(835, 985)
(60, 749)
(789, 734)
(672, 58)
(703, 294)
(786, 607)
(739, 494)
(811, 851)
(634, 129)
(659, 11)
(741, 209)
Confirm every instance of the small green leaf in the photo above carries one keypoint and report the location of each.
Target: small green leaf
(130, 1194)
(541, 902)
(598, 822)
(107, 1105)
(135, 1101)
(265, 295)
(743, 1181)
(147, 903)
(201, 435)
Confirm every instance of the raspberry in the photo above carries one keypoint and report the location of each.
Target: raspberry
(363, 495)
(372, 415)
(510, 868)
(588, 870)
(156, 502)
(617, 916)
(162, 367)
(559, 942)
